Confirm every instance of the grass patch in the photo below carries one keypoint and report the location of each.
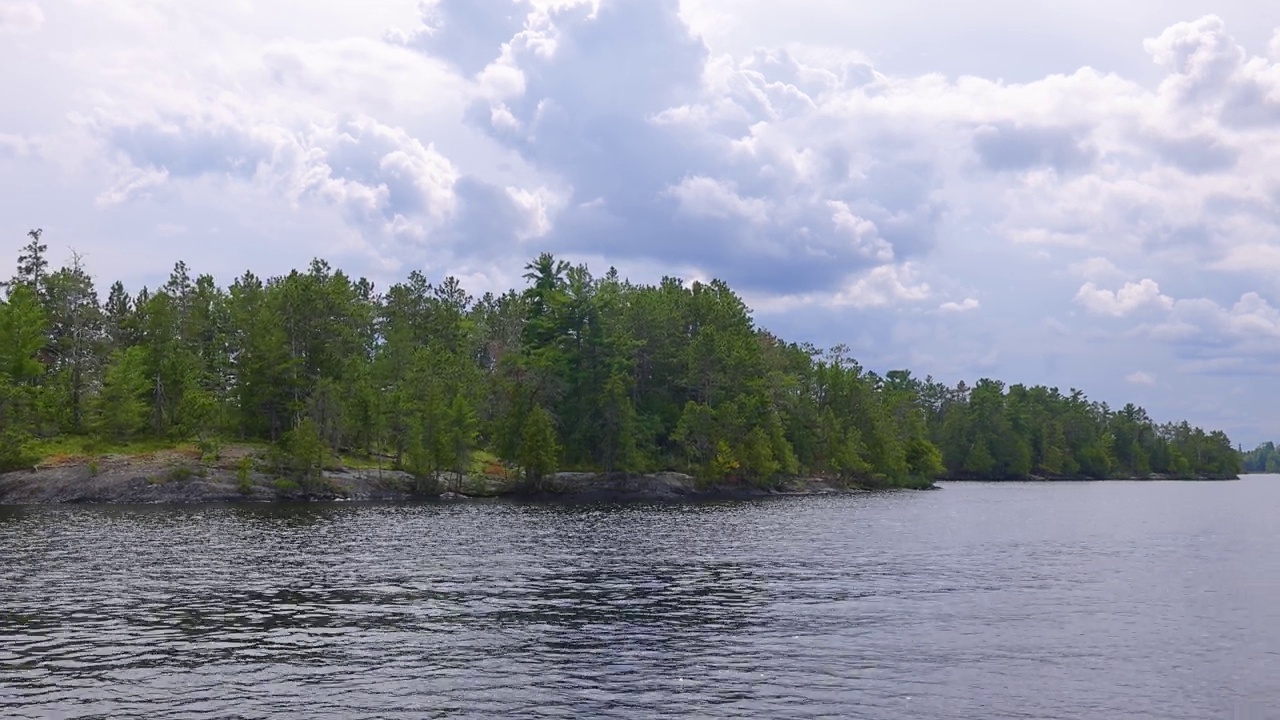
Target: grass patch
(365, 462)
(486, 463)
(69, 449)
(177, 473)
(482, 462)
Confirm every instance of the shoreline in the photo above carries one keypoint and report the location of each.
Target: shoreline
(181, 478)
(176, 478)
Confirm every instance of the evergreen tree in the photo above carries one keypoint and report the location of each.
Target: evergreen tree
(33, 266)
(120, 408)
(22, 336)
(539, 449)
(75, 341)
(463, 429)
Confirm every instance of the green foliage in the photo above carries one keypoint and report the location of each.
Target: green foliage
(462, 432)
(619, 443)
(22, 336)
(74, 342)
(244, 476)
(119, 411)
(1263, 459)
(758, 463)
(33, 266)
(696, 434)
(539, 449)
(979, 462)
(988, 432)
(573, 371)
(302, 455)
(15, 449)
(924, 459)
(723, 462)
(23, 328)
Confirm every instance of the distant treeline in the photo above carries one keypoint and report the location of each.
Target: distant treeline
(1263, 459)
(572, 372)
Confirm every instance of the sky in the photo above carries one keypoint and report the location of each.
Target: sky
(1082, 195)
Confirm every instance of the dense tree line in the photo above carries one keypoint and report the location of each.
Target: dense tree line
(572, 372)
(988, 431)
(1263, 459)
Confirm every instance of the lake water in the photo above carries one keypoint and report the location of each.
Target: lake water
(1091, 600)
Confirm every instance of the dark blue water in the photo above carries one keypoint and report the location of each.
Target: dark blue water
(1108, 600)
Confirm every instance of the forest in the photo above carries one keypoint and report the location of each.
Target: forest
(1263, 459)
(573, 371)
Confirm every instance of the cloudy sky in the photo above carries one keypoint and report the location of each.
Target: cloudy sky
(1084, 197)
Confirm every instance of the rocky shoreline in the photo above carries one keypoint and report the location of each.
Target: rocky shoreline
(178, 478)
(182, 477)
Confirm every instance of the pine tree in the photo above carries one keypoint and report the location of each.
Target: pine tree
(463, 428)
(75, 340)
(305, 454)
(119, 411)
(22, 335)
(539, 449)
(32, 265)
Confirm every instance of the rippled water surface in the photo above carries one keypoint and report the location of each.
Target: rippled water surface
(1109, 600)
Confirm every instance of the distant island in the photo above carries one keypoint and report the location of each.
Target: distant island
(1263, 459)
(292, 383)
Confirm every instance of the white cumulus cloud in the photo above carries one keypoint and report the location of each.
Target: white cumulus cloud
(1130, 298)
(969, 304)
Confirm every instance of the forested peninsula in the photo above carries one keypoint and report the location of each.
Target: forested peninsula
(291, 386)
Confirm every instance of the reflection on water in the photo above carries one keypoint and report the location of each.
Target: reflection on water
(1110, 600)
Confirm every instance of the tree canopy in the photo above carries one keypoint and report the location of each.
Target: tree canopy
(1263, 459)
(573, 371)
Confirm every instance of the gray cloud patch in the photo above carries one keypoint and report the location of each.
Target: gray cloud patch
(661, 167)
(1197, 153)
(1251, 104)
(643, 43)
(187, 151)
(487, 222)
(1007, 146)
(469, 33)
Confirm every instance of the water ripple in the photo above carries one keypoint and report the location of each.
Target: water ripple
(973, 603)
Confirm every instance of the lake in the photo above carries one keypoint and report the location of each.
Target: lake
(1073, 600)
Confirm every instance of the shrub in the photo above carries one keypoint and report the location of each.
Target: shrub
(210, 449)
(302, 455)
(244, 480)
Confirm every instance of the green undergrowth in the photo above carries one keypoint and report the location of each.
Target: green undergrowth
(77, 447)
(481, 463)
